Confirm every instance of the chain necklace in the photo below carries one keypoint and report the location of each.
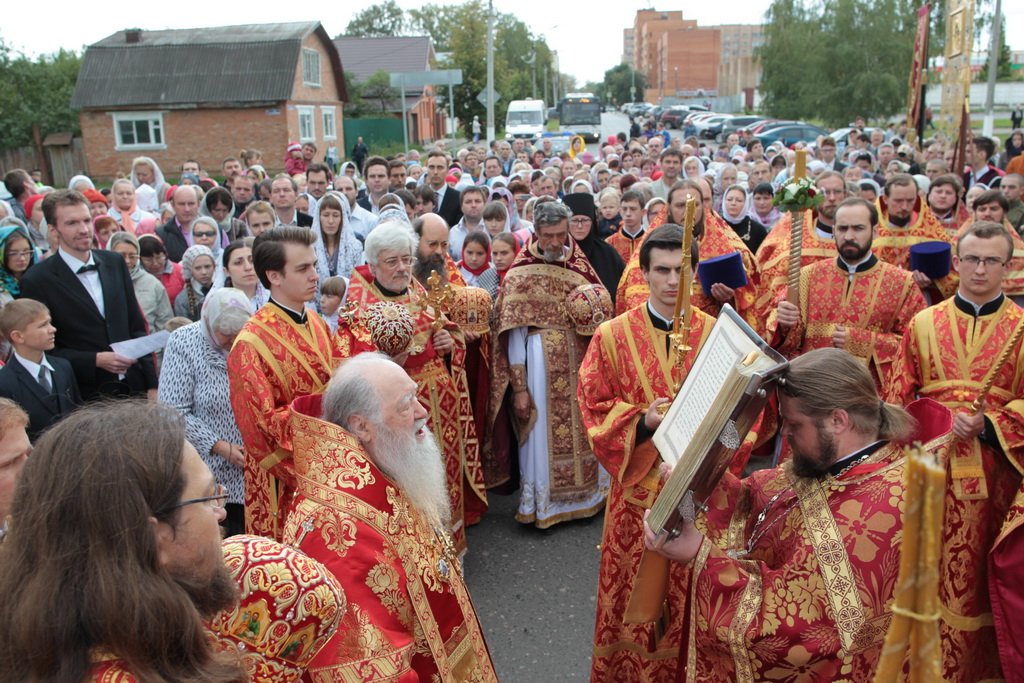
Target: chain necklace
(758, 532)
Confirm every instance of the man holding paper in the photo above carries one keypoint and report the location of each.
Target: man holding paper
(853, 302)
(792, 570)
(628, 372)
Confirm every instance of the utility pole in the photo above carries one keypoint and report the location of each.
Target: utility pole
(490, 71)
(988, 126)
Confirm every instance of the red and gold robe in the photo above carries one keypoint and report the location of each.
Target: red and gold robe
(627, 366)
(409, 615)
(562, 480)
(875, 307)
(946, 355)
(1013, 277)
(107, 668)
(811, 600)
(718, 239)
(773, 256)
(624, 244)
(273, 361)
(443, 391)
(892, 244)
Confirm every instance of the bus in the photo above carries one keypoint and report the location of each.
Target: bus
(580, 113)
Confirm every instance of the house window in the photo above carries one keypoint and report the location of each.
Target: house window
(307, 125)
(311, 67)
(139, 130)
(328, 118)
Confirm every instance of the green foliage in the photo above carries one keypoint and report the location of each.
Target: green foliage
(36, 92)
(837, 59)
(615, 89)
(1003, 69)
(384, 19)
(434, 21)
(377, 92)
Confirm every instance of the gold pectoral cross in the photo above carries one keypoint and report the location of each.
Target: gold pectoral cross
(439, 296)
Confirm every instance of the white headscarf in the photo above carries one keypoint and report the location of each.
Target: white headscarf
(145, 201)
(80, 179)
(350, 249)
(744, 212)
(226, 305)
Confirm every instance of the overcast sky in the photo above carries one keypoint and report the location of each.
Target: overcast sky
(588, 36)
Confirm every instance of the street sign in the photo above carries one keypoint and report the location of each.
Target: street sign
(419, 79)
(482, 97)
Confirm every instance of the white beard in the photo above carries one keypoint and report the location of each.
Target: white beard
(418, 470)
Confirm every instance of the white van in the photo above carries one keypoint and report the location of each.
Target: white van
(525, 119)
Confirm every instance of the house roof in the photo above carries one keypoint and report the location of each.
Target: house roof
(236, 65)
(364, 57)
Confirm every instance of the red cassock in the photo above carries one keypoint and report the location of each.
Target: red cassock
(273, 361)
(892, 244)
(773, 256)
(946, 355)
(443, 391)
(639, 610)
(409, 615)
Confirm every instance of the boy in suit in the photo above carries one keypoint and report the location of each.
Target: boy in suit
(44, 386)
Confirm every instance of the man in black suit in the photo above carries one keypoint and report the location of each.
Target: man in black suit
(376, 177)
(90, 295)
(827, 155)
(447, 203)
(185, 202)
(44, 386)
(283, 193)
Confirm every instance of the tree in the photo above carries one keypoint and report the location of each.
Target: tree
(385, 19)
(377, 89)
(36, 92)
(617, 84)
(1004, 70)
(434, 21)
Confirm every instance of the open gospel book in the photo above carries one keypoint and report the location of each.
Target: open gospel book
(711, 415)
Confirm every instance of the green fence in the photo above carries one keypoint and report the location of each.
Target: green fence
(376, 133)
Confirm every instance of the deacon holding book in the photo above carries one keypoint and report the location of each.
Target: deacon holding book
(966, 353)
(853, 302)
(629, 371)
(792, 576)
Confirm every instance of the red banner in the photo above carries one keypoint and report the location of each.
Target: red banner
(917, 70)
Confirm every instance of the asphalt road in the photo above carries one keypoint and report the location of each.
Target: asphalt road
(535, 592)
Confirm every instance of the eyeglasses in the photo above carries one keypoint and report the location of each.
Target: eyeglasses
(580, 220)
(216, 501)
(204, 234)
(395, 260)
(21, 253)
(987, 262)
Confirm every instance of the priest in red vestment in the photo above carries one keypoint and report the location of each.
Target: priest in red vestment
(947, 354)
(992, 206)
(630, 370)
(371, 506)
(792, 570)
(284, 351)
(853, 302)
(715, 238)
(435, 359)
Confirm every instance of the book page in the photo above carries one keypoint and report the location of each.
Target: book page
(726, 346)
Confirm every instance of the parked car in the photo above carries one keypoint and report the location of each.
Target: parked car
(734, 124)
(790, 134)
(673, 116)
(713, 126)
(755, 129)
(841, 135)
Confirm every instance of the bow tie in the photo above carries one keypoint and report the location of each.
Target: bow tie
(87, 268)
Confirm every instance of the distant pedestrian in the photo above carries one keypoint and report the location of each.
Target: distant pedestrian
(476, 129)
(1016, 117)
(359, 153)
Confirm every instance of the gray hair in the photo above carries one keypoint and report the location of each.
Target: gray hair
(389, 236)
(550, 213)
(348, 393)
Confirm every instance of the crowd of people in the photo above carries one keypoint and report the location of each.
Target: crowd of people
(359, 357)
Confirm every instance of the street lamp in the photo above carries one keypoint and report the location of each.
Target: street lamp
(677, 79)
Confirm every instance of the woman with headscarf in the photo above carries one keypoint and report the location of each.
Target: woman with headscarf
(218, 205)
(124, 208)
(338, 250)
(241, 274)
(198, 267)
(149, 291)
(81, 183)
(206, 232)
(150, 187)
(602, 256)
(652, 208)
(153, 257)
(736, 211)
(194, 379)
(17, 255)
(505, 195)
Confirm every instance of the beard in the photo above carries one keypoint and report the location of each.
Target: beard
(554, 255)
(432, 264)
(828, 212)
(209, 594)
(809, 466)
(418, 470)
(853, 252)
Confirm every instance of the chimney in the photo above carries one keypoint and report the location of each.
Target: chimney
(133, 36)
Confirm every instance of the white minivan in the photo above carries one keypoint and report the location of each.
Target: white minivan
(525, 119)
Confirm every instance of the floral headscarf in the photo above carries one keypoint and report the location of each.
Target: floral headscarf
(7, 279)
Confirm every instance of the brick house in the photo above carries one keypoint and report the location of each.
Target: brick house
(208, 93)
(363, 57)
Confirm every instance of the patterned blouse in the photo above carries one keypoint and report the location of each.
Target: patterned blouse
(194, 379)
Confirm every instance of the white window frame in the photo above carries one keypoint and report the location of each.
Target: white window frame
(310, 59)
(331, 114)
(305, 111)
(156, 124)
